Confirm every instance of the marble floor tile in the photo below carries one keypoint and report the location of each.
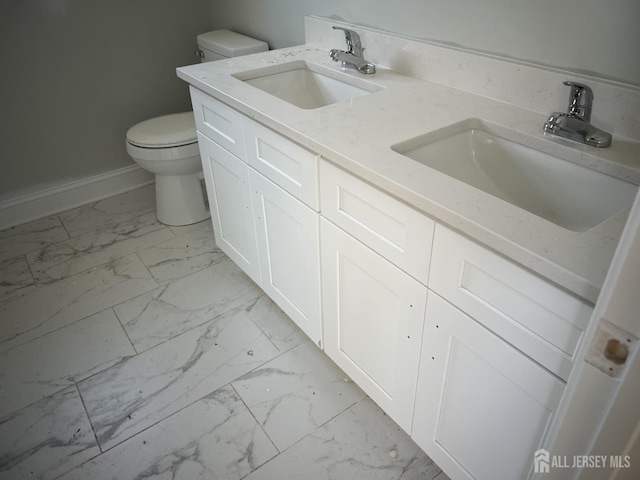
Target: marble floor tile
(59, 359)
(215, 438)
(141, 391)
(297, 392)
(55, 305)
(15, 277)
(275, 324)
(120, 213)
(92, 249)
(361, 443)
(31, 236)
(185, 303)
(46, 439)
(190, 252)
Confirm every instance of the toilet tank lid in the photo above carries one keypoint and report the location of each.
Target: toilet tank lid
(166, 131)
(230, 44)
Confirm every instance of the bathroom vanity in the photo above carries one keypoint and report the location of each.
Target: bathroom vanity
(459, 312)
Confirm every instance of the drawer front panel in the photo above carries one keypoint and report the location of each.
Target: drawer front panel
(285, 163)
(220, 123)
(388, 226)
(537, 317)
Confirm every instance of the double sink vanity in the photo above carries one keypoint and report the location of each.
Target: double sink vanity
(433, 242)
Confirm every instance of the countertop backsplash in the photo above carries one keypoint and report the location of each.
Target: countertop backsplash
(616, 106)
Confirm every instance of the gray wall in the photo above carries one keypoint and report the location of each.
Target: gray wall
(76, 74)
(592, 36)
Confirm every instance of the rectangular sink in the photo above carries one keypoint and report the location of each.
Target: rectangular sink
(534, 177)
(306, 85)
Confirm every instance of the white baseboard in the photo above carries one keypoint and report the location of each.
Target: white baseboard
(64, 197)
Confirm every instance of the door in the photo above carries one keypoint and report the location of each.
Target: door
(288, 245)
(373, 319)
(482, 407)
(227, 180)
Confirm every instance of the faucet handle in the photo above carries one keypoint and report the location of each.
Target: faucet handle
(354, 45)
(580, 100)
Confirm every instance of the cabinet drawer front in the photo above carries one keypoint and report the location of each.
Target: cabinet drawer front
(537, 317)
(227, 180)
(288, 246)
(388, 226)
(373, 317)
(482, 407)
(220, 123)
(285, 163)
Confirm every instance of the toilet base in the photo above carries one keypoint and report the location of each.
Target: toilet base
(180, 200)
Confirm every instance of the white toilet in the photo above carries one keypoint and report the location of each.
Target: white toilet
(167, 146)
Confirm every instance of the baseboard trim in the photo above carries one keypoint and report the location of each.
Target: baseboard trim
(64, 197)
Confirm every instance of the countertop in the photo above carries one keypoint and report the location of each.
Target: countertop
(357, 135)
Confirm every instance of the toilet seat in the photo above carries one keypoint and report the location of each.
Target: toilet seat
(165, 153)
(168, 131)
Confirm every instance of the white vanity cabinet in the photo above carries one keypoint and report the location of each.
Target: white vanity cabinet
(263, 196)
(373, 309)
(466, 350)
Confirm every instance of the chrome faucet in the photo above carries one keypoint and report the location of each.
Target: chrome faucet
(354, 56)
(575, 124)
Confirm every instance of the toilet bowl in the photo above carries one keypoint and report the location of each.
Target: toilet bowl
(167, 146)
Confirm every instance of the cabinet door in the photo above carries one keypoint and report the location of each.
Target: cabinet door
(373, 319)
(227, 180)
(482, 407)
(288, 243)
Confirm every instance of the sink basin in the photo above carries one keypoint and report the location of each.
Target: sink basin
(306, 85)
(538, 177)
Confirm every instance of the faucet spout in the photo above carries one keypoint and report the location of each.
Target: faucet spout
(353, 57)
(575, 124)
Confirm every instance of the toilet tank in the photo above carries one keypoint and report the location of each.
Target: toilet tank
(221, 44)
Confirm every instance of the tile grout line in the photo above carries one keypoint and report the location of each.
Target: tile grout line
(95, 437)
(51, 332)
(255, 419)
(113, 310)
(66, 230)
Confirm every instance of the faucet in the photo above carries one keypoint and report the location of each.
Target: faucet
(575, 124)
(354, 56)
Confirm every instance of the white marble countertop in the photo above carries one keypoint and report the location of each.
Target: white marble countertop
(357, 135)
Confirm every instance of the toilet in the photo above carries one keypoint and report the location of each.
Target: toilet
(167, 146)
